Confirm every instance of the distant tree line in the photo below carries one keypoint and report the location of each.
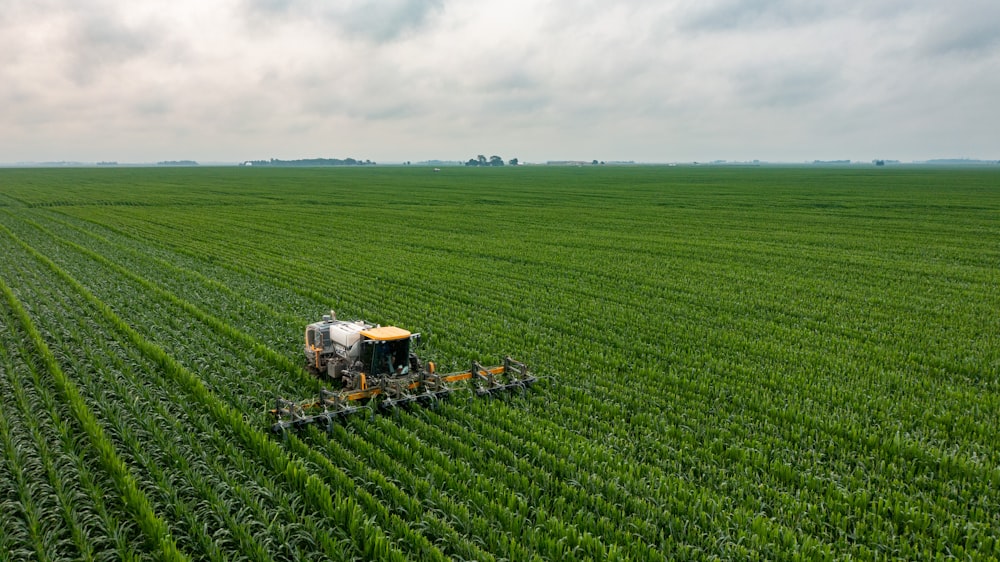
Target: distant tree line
(493, 161)
(310, 162)
(177, 163)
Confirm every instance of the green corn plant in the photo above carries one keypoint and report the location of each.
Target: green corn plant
(153, 526)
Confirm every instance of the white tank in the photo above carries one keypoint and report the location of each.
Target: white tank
(346, 334)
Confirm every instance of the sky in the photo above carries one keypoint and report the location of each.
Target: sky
(410, 80)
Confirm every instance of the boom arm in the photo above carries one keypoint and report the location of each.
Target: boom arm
(393, 392)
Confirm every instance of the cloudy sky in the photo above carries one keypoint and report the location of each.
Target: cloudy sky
(395, 80)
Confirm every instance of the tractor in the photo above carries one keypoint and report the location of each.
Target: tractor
(373, 363)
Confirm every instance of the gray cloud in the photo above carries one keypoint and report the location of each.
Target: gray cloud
(405, 80)
(785, 86)
(374, 20)
(969, 29)
(722, 15)
(98, 43)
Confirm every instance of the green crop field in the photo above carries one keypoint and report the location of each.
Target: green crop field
(737, 364)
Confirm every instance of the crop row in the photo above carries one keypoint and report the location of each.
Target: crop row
(766, 463)
(159, 308)
(720, 381)
(149, 308)
(196, 396)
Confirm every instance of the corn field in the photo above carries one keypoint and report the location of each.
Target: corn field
(737, 364)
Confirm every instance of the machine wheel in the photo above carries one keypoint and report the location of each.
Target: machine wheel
(347, 381)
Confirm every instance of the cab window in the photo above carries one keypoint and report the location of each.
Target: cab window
(387, 356)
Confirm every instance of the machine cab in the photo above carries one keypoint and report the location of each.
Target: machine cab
(386, 351)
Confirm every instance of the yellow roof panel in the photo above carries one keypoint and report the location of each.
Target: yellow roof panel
(385, 333)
